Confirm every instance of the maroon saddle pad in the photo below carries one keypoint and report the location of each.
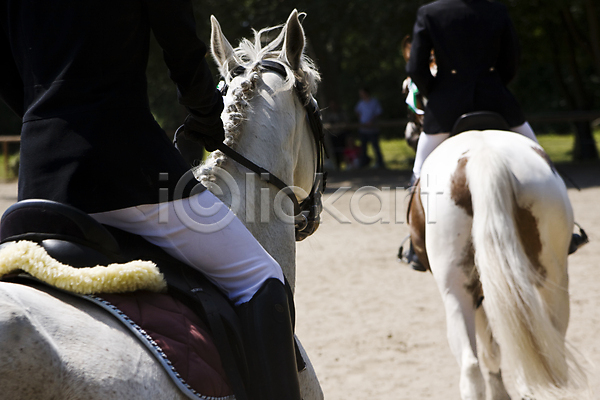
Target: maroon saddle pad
(181, 335)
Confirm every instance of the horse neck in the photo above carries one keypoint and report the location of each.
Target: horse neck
(270, 138)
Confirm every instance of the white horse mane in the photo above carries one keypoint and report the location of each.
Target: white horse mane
(249, 54)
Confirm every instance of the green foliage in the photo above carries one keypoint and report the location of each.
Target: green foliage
(356, 43)
(398, 156)
(559, 70)
(559, 147)
(9, 171)
(353, 43)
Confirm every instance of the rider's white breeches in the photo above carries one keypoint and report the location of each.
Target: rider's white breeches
(427, 143)
(525, 130)
(202, 232)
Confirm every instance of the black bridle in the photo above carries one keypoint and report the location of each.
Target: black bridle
(306, 212)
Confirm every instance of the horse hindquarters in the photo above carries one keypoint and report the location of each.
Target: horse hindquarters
(510, 258)
(55, 346)
(25, 352)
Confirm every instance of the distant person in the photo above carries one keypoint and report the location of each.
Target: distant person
(368, 110)
(336, 135)
(351, 153)
(477, 54)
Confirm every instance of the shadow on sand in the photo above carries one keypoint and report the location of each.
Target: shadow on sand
(576, 176)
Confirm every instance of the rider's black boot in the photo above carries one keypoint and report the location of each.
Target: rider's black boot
(578, 240)
(269, 341)
(410, 257)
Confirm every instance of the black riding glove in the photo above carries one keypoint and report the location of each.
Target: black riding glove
(206, 129)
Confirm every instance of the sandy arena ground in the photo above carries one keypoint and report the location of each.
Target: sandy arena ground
(374, 328)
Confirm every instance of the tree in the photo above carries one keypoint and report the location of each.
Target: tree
(358, 43)
(561, 61)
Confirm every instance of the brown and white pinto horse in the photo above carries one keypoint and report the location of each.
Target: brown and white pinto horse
(492, 220)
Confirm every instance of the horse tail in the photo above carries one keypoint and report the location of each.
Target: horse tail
(530, 343)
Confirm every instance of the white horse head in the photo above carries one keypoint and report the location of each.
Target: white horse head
(265, 121)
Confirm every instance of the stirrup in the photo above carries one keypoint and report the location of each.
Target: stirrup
(402, 255)
(578, 240)
(409, 256)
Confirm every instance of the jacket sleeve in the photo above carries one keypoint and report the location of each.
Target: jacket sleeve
(11, 84)
(418, 65)
(508, 58)
(174, 27)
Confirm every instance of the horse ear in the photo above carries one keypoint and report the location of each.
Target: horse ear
(221, 49)
(294, 41)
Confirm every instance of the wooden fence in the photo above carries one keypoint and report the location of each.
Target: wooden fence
(564, 116)
(554, 117)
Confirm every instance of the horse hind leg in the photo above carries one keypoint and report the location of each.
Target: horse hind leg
(489, 353)
(460, 325)
(460, 319)
(451, 263)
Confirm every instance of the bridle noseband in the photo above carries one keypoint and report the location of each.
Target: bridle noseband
(307, 212)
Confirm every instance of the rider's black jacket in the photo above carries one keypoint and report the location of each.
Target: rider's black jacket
(76, 72)
(476, 50)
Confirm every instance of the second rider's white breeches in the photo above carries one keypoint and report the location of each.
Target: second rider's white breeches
(428, 143)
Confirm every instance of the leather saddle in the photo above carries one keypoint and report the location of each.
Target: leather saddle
(76, 239)
(479, 121)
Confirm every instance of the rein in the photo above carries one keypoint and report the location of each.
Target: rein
(306, 212)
